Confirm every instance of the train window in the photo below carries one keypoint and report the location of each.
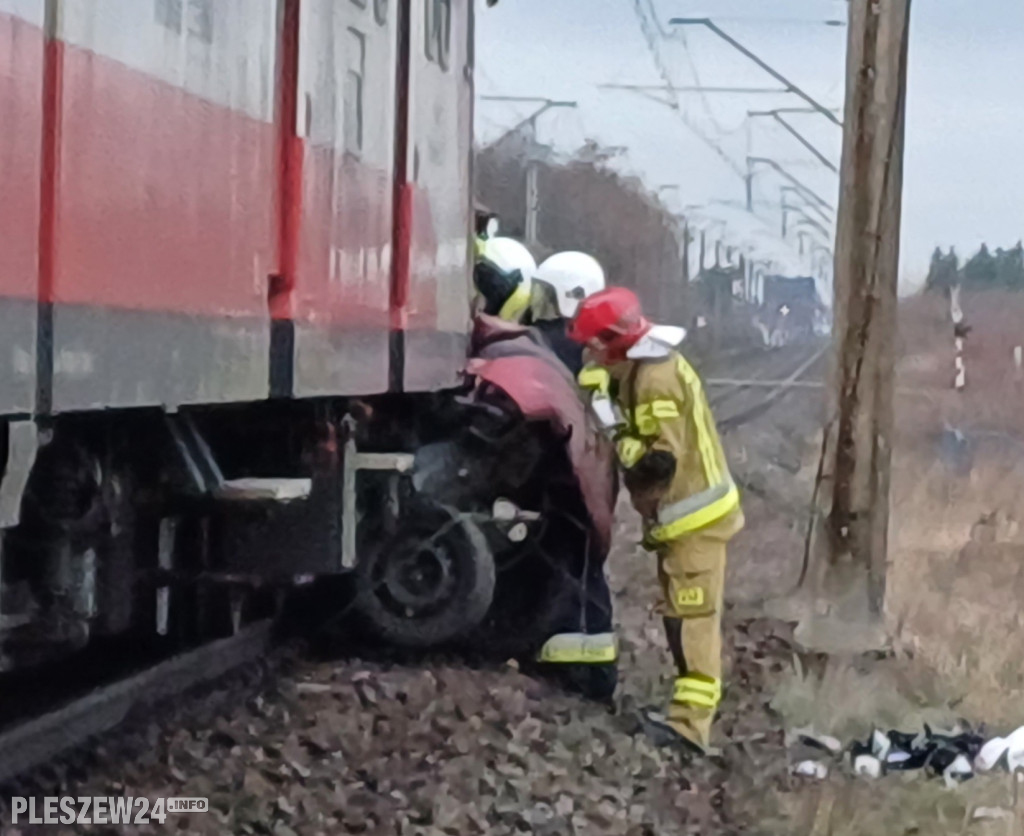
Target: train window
(168, 14)
(380, 11)
(356, 60)
(171, 15)
(430, 29)
(438, 29)
(443, 25)
(200, 20)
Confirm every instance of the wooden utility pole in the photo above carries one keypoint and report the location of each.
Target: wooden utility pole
(854, 493)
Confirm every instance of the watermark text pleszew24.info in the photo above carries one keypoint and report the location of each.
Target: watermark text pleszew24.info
(125, 809)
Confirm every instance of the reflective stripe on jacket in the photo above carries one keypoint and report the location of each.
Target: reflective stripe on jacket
(666, 409)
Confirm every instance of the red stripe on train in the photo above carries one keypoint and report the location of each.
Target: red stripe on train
(155, 199)
(166, 199)
(21, 68)
(289, 191)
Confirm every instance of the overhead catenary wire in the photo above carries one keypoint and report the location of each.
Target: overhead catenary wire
(649, 32)
(667, 93)
(698, 83)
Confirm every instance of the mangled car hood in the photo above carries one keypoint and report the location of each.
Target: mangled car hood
(513, 359)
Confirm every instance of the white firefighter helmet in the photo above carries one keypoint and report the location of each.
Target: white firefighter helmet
(574, 276)
(507, 255)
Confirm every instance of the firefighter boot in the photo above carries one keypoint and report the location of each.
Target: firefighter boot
(596, 682)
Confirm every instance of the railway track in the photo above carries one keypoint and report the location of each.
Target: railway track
(756, 382)
(742, 396)
(28, 745)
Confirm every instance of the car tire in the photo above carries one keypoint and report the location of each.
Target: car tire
(457, 572)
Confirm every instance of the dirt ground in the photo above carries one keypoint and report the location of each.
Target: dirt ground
(357, 746)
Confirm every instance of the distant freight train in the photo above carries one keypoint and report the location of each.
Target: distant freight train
(235, 290)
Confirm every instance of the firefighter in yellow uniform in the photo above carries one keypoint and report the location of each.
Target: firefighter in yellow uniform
(679, 481)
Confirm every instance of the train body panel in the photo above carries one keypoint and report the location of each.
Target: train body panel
(164, 184)
(21, 67)
(345, 122)
(439, 154)
(164, 228)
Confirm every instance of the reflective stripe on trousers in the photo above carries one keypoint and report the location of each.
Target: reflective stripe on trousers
(580, 648)
(697, 691)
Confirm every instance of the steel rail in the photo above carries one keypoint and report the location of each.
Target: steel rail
(744, 415)
(35, 742)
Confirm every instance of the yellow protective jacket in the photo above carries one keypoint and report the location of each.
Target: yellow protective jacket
(664, 406)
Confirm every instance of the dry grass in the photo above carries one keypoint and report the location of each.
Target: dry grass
(956, 542)
(955, 586)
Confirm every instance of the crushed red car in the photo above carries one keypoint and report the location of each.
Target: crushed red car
(522, 494)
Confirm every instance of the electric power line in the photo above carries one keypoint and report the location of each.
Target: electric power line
(650, 37)
(705, 102)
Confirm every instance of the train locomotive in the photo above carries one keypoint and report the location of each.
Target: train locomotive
(235, 321)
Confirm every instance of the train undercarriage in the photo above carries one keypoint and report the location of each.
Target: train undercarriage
(175, 529)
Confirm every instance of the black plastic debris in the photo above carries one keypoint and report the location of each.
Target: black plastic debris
(958, 771)
(949, 754)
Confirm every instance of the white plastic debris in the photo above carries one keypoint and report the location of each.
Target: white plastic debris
(831, 743)
(990, 754)
(991, 813)
(1015, 750)
(808, 736)
(867, 765)
(959, 770)
(605, 412)
(504, 510)
(880, 744)
(811, 769)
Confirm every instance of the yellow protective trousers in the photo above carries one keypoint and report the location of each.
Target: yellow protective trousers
(692, 574)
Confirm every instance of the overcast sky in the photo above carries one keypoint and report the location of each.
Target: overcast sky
(964, 178)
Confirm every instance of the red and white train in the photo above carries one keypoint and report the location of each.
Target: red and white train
(235, 270)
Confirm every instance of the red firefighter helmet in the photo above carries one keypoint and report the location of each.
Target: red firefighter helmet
(610, 320)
